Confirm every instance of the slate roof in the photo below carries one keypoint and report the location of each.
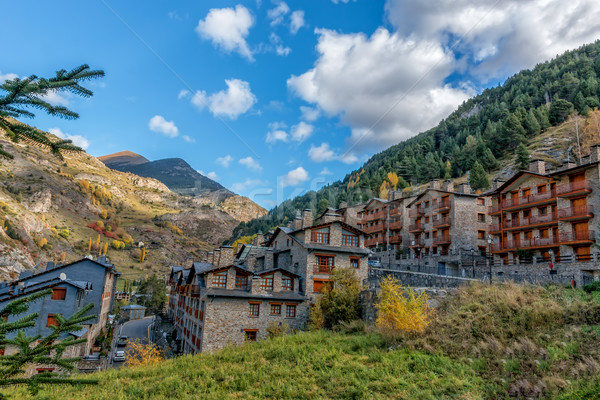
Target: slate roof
(247, 295)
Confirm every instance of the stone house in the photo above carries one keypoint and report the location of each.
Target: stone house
(133, 311)
(74, 286)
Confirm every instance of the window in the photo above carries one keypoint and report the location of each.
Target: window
(480, 201)
(427, 219)
(480, 234)
(480, 217)
(51, 321)
(241, 282)
(275, 309)
(290, 311)
(354, 262)
(321, 236)
(349, 240)
(324, 264)
(254, 310)
(320, 284)
(250, 335)
(266, 282)
(287, 283)
(220, 279)
(59, 293)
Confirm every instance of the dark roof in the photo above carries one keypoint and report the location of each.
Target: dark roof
(263, 296)
(108, 266)
(133, 307)
(572, 169)
(34, 287)
(514, 178)
(268, 271)
(336, 249)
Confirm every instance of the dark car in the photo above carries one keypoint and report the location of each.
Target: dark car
(122, 342)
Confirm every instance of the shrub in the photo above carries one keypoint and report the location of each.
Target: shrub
(65, 233)
(592, 287)
(41, 242)
(276, 329)
(103, 214)
(341, 303)
(401, 308)
(100, 224)
(117, 245)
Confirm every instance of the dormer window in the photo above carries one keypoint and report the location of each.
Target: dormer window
(287, 283)
(320, 236)
(220, 279)
(349, 239)
(266, 282)
(241, 281)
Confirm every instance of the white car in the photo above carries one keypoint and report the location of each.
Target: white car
(119, 356)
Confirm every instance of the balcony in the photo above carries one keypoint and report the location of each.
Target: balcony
(374, 216)
(349, 240)
(494, 228)
(442, 206)
(320, 237)
(417, 243)
(444, 239)
(416, 212)
(441, 222)
(395, 211)
(375, 228)
(396, 225)
(524, 201)
(495, 208)
(537, 242)
(574, 188)
(415, 227)
(577, 237)
(322, 269)
(373, 242)
(533, 220)
(396, 239)
(574, 213)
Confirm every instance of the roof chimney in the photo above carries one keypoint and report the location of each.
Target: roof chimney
(448, 186)
(343, 204)
(307, 218)
(435, 184)
(259, 239)
(217, 257)
(496, 183)
(537, 167)
(227, 256)
(594, 153)
(464, 188)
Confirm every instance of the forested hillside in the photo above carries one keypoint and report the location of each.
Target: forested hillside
(486, 130)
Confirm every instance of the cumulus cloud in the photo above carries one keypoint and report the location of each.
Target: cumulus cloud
(324, 153)
(385, 87)
(325, 171)
(183, 93)
(280, 49)
(310, 114)
(295, 177)
(7, 77)
(251, 164)
(211, 175)
(236, 100)
(501, 38)
(296, 21)
(301, 131)
(278, 13)
(225, 161)
(77, 140)
(228, 28)
(247, 184)
(159, 124)
(188, 139)
(277, 135)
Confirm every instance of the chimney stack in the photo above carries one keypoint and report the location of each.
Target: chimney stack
(496, 183)
(343, 204)
(227, 256)
(448, 186)
(217, 257)
(537, 167)
(464, 188)
(307, 218)
(435, 184)
(259, 239)
(595, 153)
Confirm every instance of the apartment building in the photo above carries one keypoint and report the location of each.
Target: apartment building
(547, 214)
(234, 297)
(448, 224)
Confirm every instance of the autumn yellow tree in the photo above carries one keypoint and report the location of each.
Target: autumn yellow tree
(140, 353)
(392, 177)
(142, 254)
(90, 245)
(401, 308)
(105, 248)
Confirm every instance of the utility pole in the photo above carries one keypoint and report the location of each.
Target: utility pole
(577, 133)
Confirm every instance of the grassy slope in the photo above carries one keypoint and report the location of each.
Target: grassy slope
(484, 343)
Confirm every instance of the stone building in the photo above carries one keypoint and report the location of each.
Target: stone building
(133, 311)
(73, 286)
(233, 297)
(547, 214)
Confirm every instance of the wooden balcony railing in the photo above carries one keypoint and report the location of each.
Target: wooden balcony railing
(442, 239)
(574, 188)
(442, 205)
(377, 215)
(494, 208)
(395, 239)
(322, 269)
(373, 242)
(374, 228)
(416, 212)
(578, 236)
(395, 211)
(576, 212)
(396, 225)
(525, 200)
(494, 228)
(441, 221)
(320, 237)
(531, 220)
(415, 227)
(416, 243)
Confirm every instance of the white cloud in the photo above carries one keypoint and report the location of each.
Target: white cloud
(228, 28)
(159, 124)
(183, 94)
(278, 13)
(210, 175)
(310, 114)
(301, 131)
(247, 184)
(188, 139)
(7, 77)
(296, 21)
(225, 160)
(277, 136)
(77, 140)
(280, 49)
(503, 37)
(250, 163)
(342, 1)
(295, 177)
(385, 87)
(324, 153)
(57, 99)
(325, 171)
(236, 100)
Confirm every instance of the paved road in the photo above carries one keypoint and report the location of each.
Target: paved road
(136, 329)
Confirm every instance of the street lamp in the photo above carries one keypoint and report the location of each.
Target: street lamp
(489, 240)
(473, 261)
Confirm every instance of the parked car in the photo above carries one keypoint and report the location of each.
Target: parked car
(119, 356)
(374, 263)
(122, 342)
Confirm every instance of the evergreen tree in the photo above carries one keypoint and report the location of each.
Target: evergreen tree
(478, 179)
(559, 111)
(522, 160)
(157, 290)
(29, 93)
(37, 349)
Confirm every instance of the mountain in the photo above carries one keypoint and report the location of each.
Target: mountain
(487, 128)
(176, 173)
(52, 210)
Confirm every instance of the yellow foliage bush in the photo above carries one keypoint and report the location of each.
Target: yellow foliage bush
(41, 242)
(117, 245)
(176, 230)
(142, 354)
(103, 214)
(402, 308)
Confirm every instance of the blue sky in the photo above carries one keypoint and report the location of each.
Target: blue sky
(273, 98)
